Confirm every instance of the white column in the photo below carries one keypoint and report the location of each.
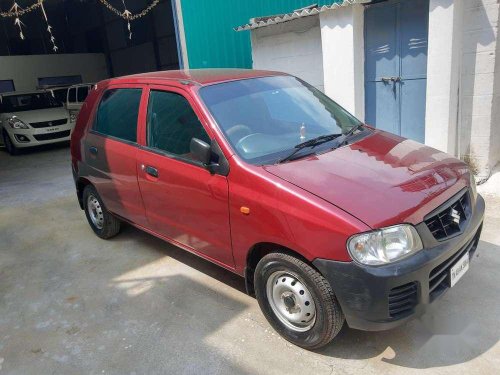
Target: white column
(443, 74)
(342, 42)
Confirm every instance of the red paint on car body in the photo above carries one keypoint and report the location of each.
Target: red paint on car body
(311, 206)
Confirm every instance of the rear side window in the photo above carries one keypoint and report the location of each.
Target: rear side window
(172, 124)
(118, 112)
(83, 91)
(72, 95)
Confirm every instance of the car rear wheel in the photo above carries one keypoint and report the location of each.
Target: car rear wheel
(103, 223)
(11, 149)
(297, 301)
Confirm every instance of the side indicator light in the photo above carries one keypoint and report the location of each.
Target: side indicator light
(245, 210)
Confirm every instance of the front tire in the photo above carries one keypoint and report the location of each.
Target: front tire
(102, 222)
(11, 148)
(297, 301)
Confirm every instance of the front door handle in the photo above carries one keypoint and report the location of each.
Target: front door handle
(152, 171)
(93, 150)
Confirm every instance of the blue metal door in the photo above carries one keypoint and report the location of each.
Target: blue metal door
(396, 34)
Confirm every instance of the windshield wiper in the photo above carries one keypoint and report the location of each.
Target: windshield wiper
(348, 134)
(310, 143)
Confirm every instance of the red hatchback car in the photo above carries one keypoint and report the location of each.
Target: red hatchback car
(328, 220)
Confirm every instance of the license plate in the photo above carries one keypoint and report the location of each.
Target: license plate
(51, 130)
(459, 269)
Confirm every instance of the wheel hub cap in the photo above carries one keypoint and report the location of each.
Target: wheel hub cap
(291, 301)
(95, 211)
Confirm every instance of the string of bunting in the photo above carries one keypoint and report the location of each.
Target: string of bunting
(16, 12)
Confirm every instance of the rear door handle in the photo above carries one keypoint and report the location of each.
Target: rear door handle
(152, 171)
(93, 150)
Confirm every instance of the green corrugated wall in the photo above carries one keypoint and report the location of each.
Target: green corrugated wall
(208, 25)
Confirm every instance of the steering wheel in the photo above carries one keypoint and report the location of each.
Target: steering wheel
(238, 131)
(245, 138)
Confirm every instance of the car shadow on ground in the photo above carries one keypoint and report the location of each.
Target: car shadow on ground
(185, 257)
(459, 327)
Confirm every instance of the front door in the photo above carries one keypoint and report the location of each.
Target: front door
(396, 33)
(184, 201)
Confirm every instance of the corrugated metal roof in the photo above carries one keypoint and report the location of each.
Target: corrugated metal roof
(311, 10)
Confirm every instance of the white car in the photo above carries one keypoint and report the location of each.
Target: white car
(75, 97)
(32, 118)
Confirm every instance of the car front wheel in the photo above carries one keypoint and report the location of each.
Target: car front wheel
(11, 149)
(297, 301)
(102, 222)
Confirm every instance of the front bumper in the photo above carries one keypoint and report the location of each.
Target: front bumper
(379, 298)
(35, 137)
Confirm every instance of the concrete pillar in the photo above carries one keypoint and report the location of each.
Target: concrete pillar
(343, 57)
(443, 74)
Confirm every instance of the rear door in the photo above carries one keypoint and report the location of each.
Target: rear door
(111, 151)
(183, 200)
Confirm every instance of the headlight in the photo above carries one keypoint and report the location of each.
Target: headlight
(15, 123)
(385, 245)
(473, 187)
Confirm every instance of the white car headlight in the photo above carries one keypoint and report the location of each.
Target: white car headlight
(386, 245)
(15, 123)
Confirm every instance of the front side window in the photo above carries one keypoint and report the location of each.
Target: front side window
(265, 118)
(118, 112)
(172, 123)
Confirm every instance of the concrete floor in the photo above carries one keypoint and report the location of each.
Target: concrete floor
(71, 303)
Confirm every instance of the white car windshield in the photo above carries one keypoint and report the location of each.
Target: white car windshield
(28, 102)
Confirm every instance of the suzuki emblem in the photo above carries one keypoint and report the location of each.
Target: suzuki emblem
(455, 216)
(50, 123)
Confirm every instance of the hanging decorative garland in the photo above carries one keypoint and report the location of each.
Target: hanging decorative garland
(17, 12)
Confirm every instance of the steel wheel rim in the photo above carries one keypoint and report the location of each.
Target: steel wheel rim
(95, 211)
(291, 301)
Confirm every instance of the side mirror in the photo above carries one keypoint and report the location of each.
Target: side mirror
(201, 150)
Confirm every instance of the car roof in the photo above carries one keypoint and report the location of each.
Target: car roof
(198, 76)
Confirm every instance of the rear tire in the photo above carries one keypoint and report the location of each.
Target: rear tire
(297, 301)
(9, 146)
(102, 222)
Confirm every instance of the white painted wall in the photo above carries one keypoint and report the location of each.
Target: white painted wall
(479, 134)
(343, 57)
(443, 73)
(25, 70)
(291, 47)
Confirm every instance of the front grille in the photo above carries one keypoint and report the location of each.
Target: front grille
(403, 299)
(48, 124)
(48, 136)
(444, 225)
(439, 276)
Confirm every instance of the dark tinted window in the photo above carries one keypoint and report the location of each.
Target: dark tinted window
(72, 95)
(6, 85)
(172, 124)
(59, 81)
(83, 91)
(118, 112)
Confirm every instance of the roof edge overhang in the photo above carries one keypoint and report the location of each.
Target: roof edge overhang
(311, 10)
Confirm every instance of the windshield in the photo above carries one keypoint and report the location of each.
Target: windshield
(28, 102)
(265, 118)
